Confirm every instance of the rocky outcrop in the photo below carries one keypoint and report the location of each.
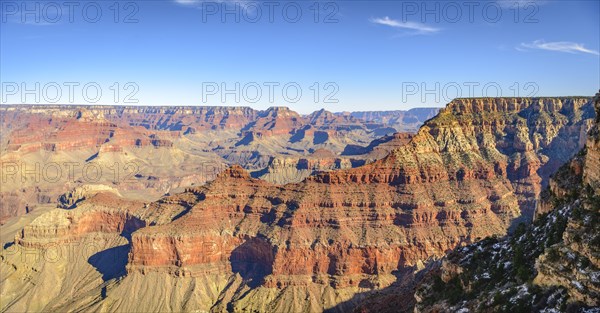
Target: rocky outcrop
(592, 159)
(70, 199)
(103, 212)
(551, 265)
(380, 147)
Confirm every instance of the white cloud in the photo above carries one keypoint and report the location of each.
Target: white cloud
(187, 2)
(560, 46)
(513, 4)
(242, 3)
(246, 6)
(417, 28)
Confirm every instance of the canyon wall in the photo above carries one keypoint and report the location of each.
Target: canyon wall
(146, 152)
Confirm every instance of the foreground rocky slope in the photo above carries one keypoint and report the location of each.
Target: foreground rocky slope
(552, 265)
(146, 152)
(243, 244)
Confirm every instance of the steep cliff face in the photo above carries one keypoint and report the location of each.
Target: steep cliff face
(591, 174)
(326, 241)
(552, 265)
(574, 263)
(544, 135)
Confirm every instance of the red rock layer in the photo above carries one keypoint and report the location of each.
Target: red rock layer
(104, 212)
(187, 136)
(467, 174)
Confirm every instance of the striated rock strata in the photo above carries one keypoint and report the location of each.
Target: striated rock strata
(552, 265)
(145, 152)
(326, 241)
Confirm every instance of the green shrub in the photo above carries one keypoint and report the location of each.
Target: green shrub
(553, 255)
(585, 262)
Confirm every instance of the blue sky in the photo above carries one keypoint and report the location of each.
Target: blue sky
(358, 55)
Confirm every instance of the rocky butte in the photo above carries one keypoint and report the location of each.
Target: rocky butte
(324, 243)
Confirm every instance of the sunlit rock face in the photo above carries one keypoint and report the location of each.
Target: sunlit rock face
(550, 265)
(146, 152)
(324, 241)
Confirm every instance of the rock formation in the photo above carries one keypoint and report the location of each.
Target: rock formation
(243, 244)
(549, 266)
(146, 152)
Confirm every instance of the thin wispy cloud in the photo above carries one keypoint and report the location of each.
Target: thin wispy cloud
(197, 3)
(412, 27)
(558, 46)
(29, 20)
(187, 2)
(520, 3)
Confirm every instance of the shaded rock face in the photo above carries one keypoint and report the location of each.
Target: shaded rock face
(253, 260)
(316, 244)
(574, 263)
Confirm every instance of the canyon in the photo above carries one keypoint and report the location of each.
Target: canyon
(147, 152)
(323, 230)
